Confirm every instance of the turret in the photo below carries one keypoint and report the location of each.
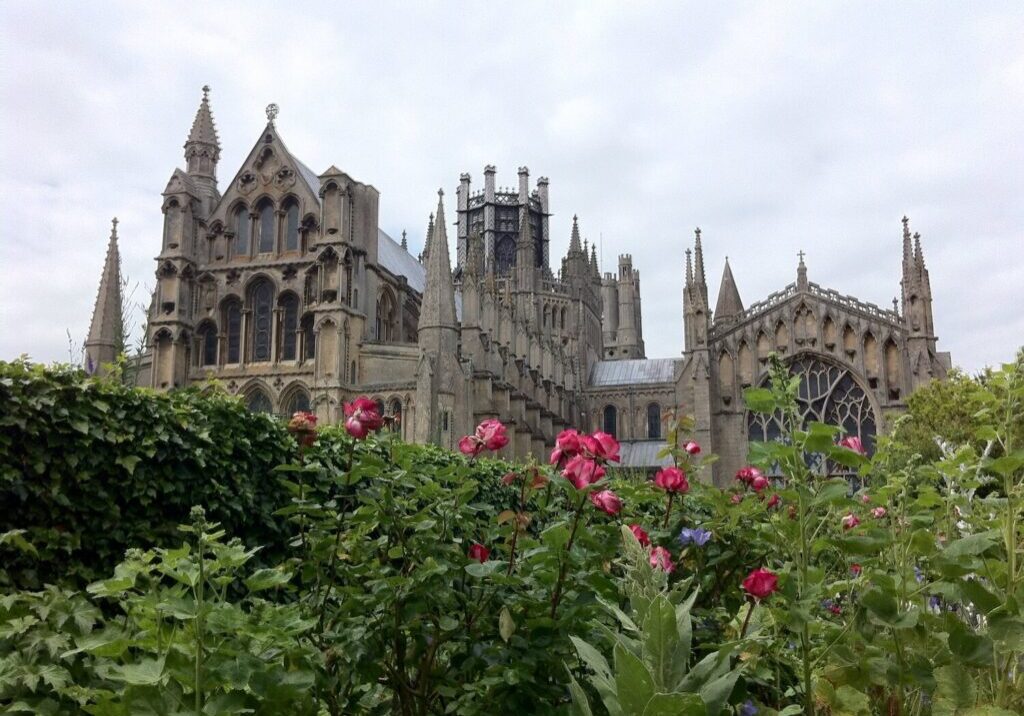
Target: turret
(627, 338)
(916, 290)
(202, 152)
(105, 339)
(695, 299)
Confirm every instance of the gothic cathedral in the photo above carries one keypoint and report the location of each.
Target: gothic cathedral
(286, 291)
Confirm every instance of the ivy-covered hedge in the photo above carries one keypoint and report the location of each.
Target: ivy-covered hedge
(89, 467)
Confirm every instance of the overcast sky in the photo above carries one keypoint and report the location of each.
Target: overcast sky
(774, 127)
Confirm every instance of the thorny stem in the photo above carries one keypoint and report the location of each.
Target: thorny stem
(668, 510)
(746, 621)
(556, 596)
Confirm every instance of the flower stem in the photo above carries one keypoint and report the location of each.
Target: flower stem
(556, 596)
(668, 510)
(746, 622)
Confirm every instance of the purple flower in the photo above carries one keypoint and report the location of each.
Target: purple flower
(918, 574)
(696, 536)
(748, 708)
(935, 603)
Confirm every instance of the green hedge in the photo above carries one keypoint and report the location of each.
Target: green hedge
(89, 467)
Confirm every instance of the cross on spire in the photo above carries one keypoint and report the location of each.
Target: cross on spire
(272, 112)
(801, 254)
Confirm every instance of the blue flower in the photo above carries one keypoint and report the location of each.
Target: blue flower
(748, 708)
(918, 574)
(696, 536)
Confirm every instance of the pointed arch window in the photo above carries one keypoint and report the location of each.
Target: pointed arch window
(828, 394)
(386, 322)
(654, 421)
(289, 326)
(233, 324)
(261, 303)
(241, 231)
(610, 422)
(291, 227)
(299, 401)
(259, 402)
(207, 344)
(308, 338)
(266, 228)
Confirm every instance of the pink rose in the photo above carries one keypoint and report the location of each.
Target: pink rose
(671, 479)
(850, 521)
(581, 471)
(641, 535)
(747, 474)
(761, 583)
(362, 417)
(853, 443)
(567, 445)
(855, 570)
(692, 448)
(774, 501)
(878, 513)
(865, 498)
(606, 501)
(759, 483)
(600, 446)
(736, 499)
(661, 559)
(489, 435)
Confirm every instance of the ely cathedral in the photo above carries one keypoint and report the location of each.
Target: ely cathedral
(281, 286)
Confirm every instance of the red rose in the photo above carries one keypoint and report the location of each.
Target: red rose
(759, 483)
(641, 535)
(478, 552)
(661, 559)
(855, 570)
(671, 479)
(747, 474)
(774, 501)
(600, 446)
(692, 448)
(850, 521)
(761, 583)
(362, 417)
(606, 501)
(581, 471)
(878, 513)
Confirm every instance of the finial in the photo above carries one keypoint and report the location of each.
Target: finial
(272, 110)
(905, 220)
(405, 243)
(440, 192)
(114, 223)
(801, 255)
(696, 232)
(895, 305)
(206, 92)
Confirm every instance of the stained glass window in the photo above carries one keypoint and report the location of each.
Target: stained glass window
(289, 326)
(828, 394)
(266, 229)
(262, 302)
(654, 421)
(292, 229)
(233, 321)
(208, 344)
(610, 419)
(308, 337)
(241, 231)
(505, 254)
(259, 402)
(298, 401)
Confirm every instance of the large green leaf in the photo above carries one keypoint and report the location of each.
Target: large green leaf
(661, 643)
(970, 545)
(633, 682)
(716, 693)
(675, 705)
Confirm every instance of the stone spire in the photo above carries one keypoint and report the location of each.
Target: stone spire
(105, 340)
(574, 241)
(907, 251)
(801, 273)
(437, 310)
(919, 255)
(202, 148)
(426, 241)
(593, 260)
(405, 241)
(689, 268)
(729, 304)
(699, 277)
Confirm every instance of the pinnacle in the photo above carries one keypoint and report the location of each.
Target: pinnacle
(438, 304)
(574, 241)
(729, 303)
(204, 131)
(104, 330)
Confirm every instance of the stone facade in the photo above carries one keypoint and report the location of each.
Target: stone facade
(286, 291)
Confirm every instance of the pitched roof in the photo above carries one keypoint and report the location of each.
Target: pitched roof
(400, 262)
(642, 453)
(640, 371)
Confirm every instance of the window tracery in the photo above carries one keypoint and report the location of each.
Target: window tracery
(829, 394)
(262, 309)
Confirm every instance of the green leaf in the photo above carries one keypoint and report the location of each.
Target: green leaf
(954, 689)
(580, 705)
(974, 592)
(267, 579)
(661, 643)
(881, 604)
(147, 672)
(602, 679)
(973, 649)
(506, 627)
(970, 545)
(675, 705)
(16, 540)
(128, 462)
(633, 682)
(483, 569)
(759, 400)
(716, 693)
